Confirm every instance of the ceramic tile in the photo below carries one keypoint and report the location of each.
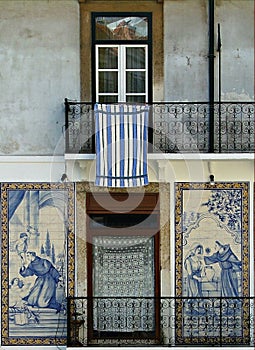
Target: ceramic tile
(212, 262)
(37, 272)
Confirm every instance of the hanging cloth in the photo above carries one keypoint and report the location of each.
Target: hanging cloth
(121, 132)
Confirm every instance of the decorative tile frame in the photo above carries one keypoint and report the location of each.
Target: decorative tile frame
(48, 208)
(201, 208)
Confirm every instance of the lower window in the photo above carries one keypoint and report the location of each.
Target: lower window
(123, 270)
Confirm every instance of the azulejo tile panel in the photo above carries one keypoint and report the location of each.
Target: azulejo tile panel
(37, 222)
(212, 263)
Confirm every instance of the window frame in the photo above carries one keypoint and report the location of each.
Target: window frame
(133, 43)
(122, 72)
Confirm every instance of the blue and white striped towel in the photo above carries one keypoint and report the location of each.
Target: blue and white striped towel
(121, 145)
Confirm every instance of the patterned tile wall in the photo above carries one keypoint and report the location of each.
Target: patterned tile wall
(37, 273)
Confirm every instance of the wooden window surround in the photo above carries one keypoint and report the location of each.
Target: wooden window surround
(155, 58)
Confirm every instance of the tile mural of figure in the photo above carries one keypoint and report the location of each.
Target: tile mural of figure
(37, 231)
(229, 264)
(194, 267)
(17, 292)
(22, 315)
(21, 245)
(212, 262)
(43, 292)
(219, 233)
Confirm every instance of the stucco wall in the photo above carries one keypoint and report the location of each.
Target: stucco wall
(186, 49)
(39, 67)
(39, 63)
(236, 19)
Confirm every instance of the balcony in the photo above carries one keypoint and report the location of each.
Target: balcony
(166, 321)
(175, 127)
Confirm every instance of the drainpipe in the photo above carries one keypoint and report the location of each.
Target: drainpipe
(219, 77)
(211, 57)
(67, 109)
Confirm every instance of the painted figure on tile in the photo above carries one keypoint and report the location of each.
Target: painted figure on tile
(22, 245)
(43, 293)
(229, 264)
(19, 311)
(17, 291)
(194, 267)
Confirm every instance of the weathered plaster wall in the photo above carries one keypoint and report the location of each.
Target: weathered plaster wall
(186, 49)
(236, 19)
(39, 67)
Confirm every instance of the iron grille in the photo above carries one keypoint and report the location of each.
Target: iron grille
(175, 127)
(165, 321)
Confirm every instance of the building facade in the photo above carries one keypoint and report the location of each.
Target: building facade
(127, 265)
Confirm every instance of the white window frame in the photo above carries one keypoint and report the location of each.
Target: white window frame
(122, 70)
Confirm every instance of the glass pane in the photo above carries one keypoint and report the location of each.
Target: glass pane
(108, 99)
(121, 28)
(108, 57)
(135, 82)
(135, 57)
(108, 82)
(135, 99)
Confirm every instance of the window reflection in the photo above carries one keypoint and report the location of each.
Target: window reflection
(121, 28)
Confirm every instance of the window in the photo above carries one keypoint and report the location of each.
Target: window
(121, 58)
(121, 73)
(123, 266)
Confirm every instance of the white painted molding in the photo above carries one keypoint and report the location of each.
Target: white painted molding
(177, 156)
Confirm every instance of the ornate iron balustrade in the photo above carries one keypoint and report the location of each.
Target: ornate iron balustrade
(179, 127)
(166, 321)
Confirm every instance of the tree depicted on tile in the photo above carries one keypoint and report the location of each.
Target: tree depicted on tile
(36, 228)
(212, 261)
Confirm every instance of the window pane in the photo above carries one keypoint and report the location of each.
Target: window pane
(135, 57)
(135, 99)
(121, 28)
(108, 58)
(108, 82)
(108, 99)
(135, 82)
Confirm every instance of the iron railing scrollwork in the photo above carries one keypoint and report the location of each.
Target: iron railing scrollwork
(165, 321)
(79, 127)
(175, 127)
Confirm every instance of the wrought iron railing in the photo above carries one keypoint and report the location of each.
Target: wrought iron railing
(165, 321)
(175, 127)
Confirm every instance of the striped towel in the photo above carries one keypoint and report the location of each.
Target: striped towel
(121, 145)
